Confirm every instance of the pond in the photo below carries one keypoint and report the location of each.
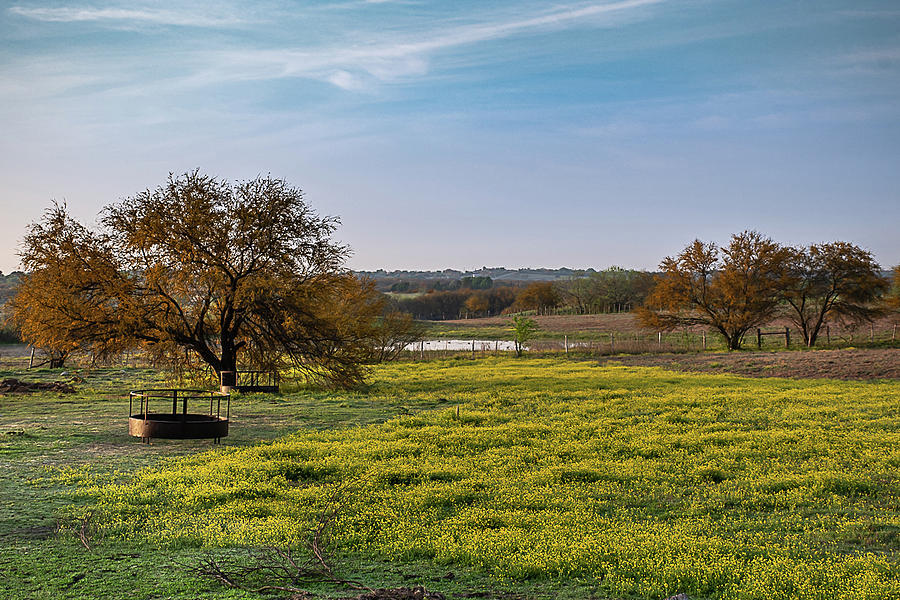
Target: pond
(461, 345)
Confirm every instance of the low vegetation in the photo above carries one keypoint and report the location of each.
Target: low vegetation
(616, 481)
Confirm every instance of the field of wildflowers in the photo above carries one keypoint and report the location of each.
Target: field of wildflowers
(649, 482)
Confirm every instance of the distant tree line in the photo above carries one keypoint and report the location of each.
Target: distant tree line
(732, 290)
(612, 290)
(441, 305)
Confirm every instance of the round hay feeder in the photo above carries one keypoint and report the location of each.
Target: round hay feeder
(179, 424)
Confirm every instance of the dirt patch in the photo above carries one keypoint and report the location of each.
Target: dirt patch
(16, 386)
(834, 364)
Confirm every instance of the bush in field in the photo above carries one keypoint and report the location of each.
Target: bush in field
(523, 330)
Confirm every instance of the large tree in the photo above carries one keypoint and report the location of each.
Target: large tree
(732, 289)
(831, 280)
(201, 270)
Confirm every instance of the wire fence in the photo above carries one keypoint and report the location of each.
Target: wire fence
(883, 334)
(637, 342)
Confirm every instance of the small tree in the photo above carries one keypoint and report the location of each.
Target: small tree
(731, 290)
(828, 280)
(523, 330)
(201, 271)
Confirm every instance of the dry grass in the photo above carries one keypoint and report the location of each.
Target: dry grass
(858, 364)
(627, 323)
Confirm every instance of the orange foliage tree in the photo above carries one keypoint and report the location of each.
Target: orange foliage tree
(731, 289)
(831, 280)
(201, 271)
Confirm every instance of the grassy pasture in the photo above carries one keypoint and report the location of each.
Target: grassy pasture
(545, 477)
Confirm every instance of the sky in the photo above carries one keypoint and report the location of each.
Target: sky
(469, 133)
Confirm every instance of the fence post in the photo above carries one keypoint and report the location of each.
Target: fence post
(473, 349)
(759, 338)
(422, 349)
(787, 337)
(566, 343)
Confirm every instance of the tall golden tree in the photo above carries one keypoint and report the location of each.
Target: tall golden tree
(202, 270)
(831, 280)
(732, 289)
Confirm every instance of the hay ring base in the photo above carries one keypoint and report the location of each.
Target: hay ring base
(179, 424)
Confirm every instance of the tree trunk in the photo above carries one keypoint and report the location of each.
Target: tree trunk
(811, 340)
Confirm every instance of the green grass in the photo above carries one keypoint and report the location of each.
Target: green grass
(553, 479)
(475, 331)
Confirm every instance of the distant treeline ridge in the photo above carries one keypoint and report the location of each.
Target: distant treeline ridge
(611, 290)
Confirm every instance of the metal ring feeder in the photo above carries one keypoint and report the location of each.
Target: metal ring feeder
(179, 424)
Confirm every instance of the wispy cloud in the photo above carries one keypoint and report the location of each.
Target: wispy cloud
(877, 62)
(350, 67)
(353, 63)
(125, 15)
(870, 14)
(882, 56)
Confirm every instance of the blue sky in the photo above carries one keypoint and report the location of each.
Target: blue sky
(466, 134)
